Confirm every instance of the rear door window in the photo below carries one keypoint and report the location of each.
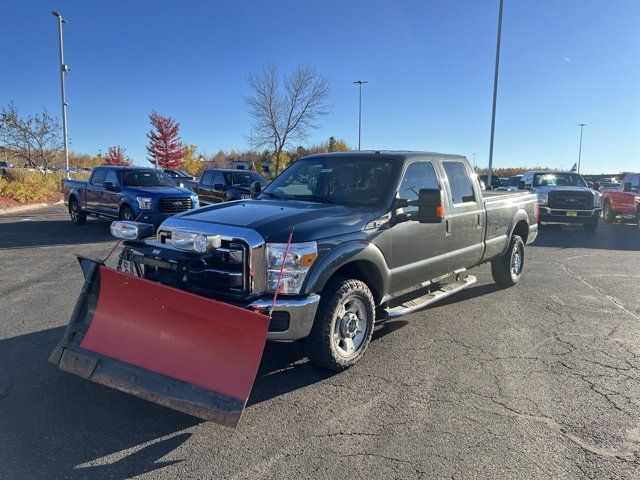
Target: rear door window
(459, 183)
(635, 182)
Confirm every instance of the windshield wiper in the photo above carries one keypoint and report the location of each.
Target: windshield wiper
(272, 195)
(315, 197)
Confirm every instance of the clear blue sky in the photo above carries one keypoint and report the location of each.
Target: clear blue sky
(429, 64)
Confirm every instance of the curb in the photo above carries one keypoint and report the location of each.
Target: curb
(25, 208)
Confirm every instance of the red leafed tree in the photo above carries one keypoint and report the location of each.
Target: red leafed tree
(116, 156)
(165, 146)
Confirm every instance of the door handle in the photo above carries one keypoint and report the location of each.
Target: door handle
(447, 226)
(479, 222)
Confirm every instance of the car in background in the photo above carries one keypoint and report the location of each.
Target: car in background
(495, 182)
(624, 200)
(225, 184)
(510, 184)
(4, 166)
(602, 186)
(127, 193)
(179, 174)
(564, 197)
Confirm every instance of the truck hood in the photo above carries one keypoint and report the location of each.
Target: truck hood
(273, 219)
(159, 191)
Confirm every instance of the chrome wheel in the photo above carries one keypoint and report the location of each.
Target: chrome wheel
(516, 260)
(350, 327)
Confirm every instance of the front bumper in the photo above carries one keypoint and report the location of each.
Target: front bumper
(154, 218)
(554, 215)
(292, 316)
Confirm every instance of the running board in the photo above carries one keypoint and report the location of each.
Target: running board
(432, 297)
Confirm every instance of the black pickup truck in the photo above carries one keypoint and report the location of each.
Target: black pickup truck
(374, 235)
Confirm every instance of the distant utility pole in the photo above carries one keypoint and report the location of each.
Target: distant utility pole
(63, 70)
(360, 83)
(475, 166)
(581, 125)
(495, 96)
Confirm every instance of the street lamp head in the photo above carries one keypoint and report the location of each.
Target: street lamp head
(581, 124)
(361, 82)
(57, 14)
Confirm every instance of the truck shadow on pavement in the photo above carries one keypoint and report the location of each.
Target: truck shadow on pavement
(56, 425)
(608, 236)
(23, 232)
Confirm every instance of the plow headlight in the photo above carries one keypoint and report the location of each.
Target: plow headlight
(131, 230)
(299, 259)
(195, 242)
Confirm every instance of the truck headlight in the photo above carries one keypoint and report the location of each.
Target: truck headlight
(195, 242)
(299, 259)
(145, 203)
(195, 201)
(131, 230)
(543, 198)
(596, 199)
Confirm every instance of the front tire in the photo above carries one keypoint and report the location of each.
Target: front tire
(507, 269)
(77, 215)
(590, 226)
(127, 214)
(343, 325)
(608, 213)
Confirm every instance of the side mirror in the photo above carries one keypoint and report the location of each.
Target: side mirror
(596, 186)
(255, 188)
(626, 187)
(429, 203)
(110, 186)
(521, 185)
(219, 186)
(430, 208)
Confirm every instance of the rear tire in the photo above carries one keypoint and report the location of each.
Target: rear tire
(507, 269)
(590, 226)
(608, 213)
(126, 213)
(343, 325)
(77, 215)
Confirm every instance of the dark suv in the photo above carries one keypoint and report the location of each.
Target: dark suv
(222, 185)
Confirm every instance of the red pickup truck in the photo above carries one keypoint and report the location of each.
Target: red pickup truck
(624, 200)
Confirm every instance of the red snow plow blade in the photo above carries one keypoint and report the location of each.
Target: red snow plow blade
(171, 347)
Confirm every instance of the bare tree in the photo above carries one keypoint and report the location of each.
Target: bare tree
(34, 139)
(285, 111)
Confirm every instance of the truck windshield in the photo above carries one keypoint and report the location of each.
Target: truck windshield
(146, 178)
(558, 180)
(346, 180)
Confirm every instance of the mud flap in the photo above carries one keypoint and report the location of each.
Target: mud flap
(171, 347)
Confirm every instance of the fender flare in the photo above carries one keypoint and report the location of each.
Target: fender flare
(342, 255)
(519, 216)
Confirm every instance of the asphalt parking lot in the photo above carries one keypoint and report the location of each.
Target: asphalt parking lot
(538, 381)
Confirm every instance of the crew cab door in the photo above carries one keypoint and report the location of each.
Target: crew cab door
(204, 189)
(110, 200)
(419, 250)
(464, 216)
(93, 193)
(219, 192)
(625, 201)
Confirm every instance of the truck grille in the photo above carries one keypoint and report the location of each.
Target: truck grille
(174, 205)
(571, 200)
(222, 272)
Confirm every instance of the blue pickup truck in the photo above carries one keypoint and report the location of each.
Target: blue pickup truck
(127, 193)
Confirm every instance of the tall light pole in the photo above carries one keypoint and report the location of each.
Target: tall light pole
(475, 167)
(360, 83)
(581, 125)
(63, 70)
(495, 96)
